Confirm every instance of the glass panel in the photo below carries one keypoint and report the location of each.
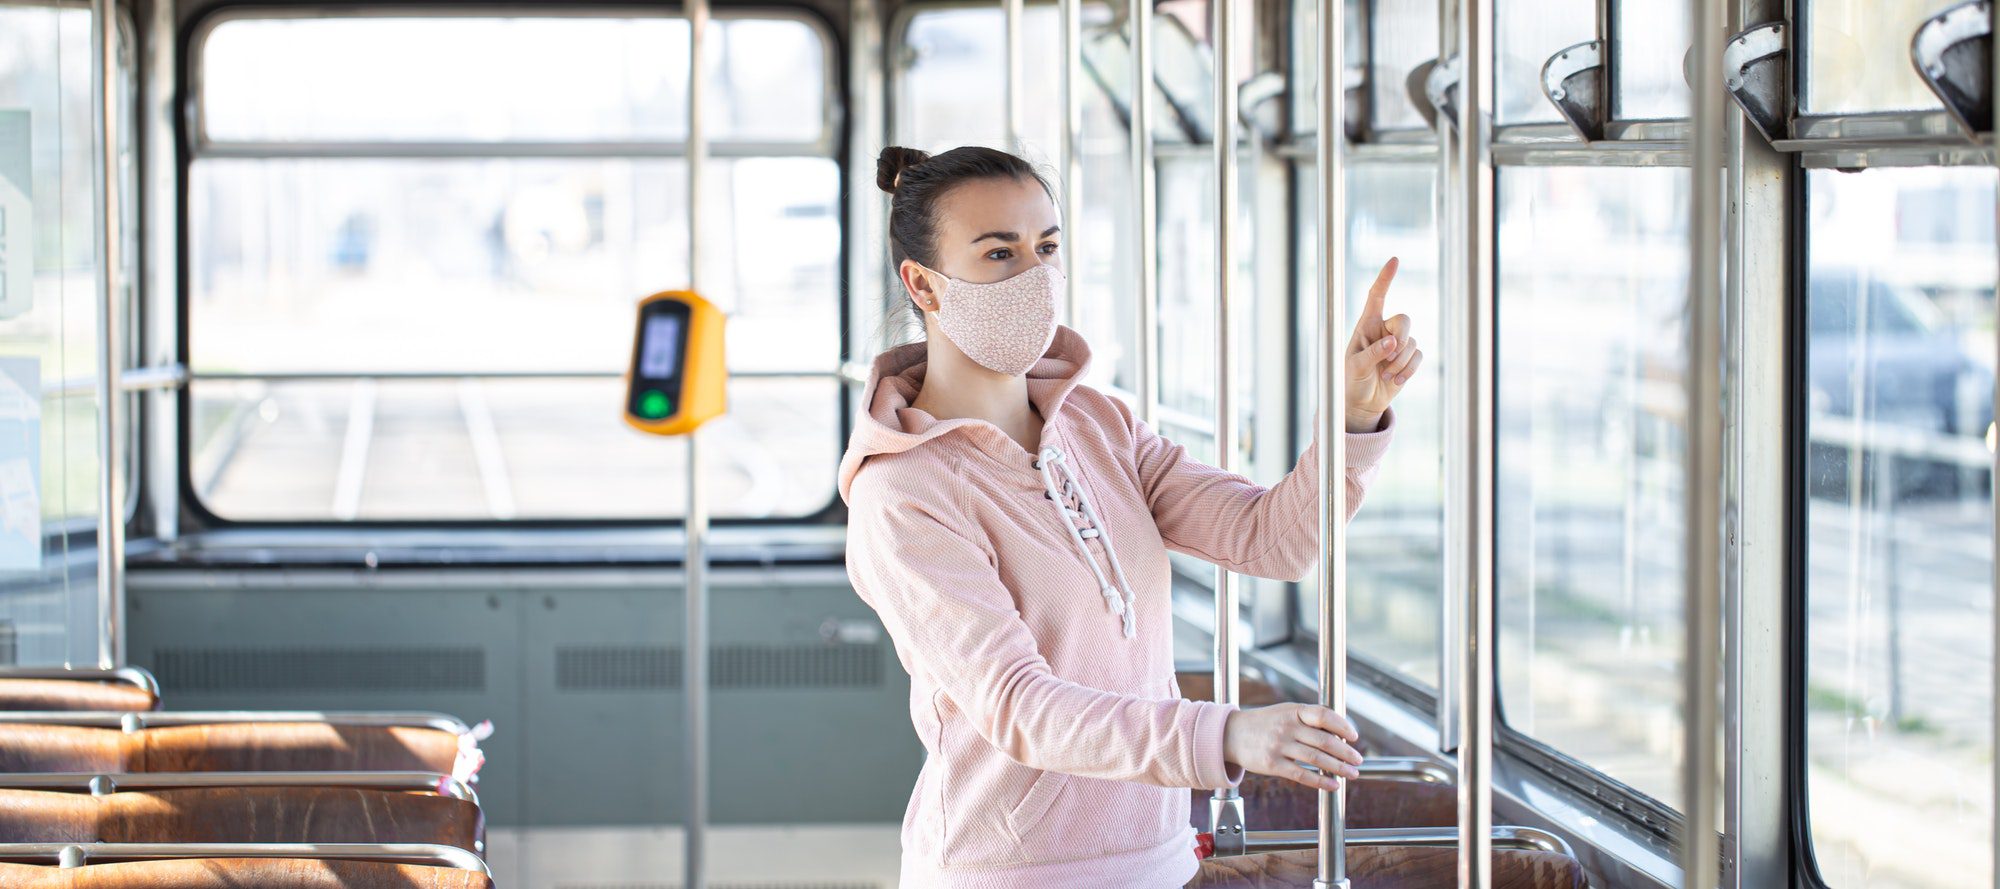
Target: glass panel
(1652, 40)
(506, 79)
(49, 479)
(1187, 286)
(1395, 579)
(1305, 58)
(500, 449)
(1528, 34)
(499, 265)
(1858, 55)
(1405, 36)
(1899, 643)
(1590, 470)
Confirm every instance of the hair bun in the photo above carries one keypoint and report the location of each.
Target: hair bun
(893, 161)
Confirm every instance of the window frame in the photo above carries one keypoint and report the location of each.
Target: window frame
(833, 143)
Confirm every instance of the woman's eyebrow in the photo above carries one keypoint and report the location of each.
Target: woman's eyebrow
(1013, 236)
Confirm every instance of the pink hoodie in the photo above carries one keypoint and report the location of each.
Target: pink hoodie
(1059, 748)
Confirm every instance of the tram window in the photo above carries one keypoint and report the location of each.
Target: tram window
(1589, 483)
(1652, 41)
(479, 271)
(1858, 55)
(1528, 34)
(1404, 35)
(1305, 60)
(1899, 516)
(505, 79)
(1395, 577)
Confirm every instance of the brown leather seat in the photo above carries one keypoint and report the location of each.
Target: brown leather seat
(239, 815)
(1387, 867)
(235, 873)
(1278, 804)
(1199, 685)
(242, 747)
(74, 694)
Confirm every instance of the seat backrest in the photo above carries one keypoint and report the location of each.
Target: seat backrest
(240, 815)
(74, 694)
(290, 747)
(1389, 867)
(59, 748)
(234, 873)
(1199, 685)
(1271, 803)
(227, 747)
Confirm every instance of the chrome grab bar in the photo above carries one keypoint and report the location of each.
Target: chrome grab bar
(137, 677)
(133, 722)
(103, 784)
(1527, 839)
(1413, 769)
(72, 855)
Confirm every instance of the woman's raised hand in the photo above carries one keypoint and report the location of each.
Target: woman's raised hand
(1275, 740)
(1381, 357)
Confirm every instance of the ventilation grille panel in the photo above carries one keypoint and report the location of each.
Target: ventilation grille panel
(654, 667)
(10, 643)
(430, 669)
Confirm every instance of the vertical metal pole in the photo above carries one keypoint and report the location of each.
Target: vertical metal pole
(107, 129)
(1225, 808)
(867, 205)
(1701, 658)
(1332, 432)
(694, 649)
(1012, 10)
(1756, 341)
(1476, 258)
(1146, 339)
(1071, 152)
(1994, 483)
(1457, 415)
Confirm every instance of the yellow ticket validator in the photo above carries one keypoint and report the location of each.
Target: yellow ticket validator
(677, 380)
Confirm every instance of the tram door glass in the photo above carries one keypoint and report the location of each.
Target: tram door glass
(1652, 40)
(463, 226)
(49, 263)
(1590, 478)
(1858, 55)
(1899, 646)
(1395, 573)
(1528, 34)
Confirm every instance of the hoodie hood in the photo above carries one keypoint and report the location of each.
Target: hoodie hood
(888, 424)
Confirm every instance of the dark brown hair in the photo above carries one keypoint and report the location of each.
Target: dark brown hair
(920, 181)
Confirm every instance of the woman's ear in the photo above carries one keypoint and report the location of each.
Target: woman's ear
(917, 282)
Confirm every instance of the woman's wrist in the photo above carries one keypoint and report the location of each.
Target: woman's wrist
(1364, 423)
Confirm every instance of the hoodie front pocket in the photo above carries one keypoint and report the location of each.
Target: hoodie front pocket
(1035, 803)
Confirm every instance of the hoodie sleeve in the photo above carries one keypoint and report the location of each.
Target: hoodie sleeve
(939, 594)
(1245, 527)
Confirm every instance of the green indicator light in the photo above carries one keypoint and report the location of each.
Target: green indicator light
(654, 405)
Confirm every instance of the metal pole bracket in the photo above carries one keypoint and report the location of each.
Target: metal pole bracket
(1439, 92)
(1756, 67)
(1573, 79)
(1953, 53)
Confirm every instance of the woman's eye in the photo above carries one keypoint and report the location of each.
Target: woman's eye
(1002, 254)
(1049, 249)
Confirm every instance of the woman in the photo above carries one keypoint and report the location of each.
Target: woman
(1011, 527)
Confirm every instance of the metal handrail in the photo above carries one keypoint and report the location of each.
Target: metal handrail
(1412, 769)
(1331, 834)
(74, 855)
(1225, 806)
(133, 722)
(1530, 839)
(105, 783)
(137, 677)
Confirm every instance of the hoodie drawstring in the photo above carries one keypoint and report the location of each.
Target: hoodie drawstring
(1050, 463)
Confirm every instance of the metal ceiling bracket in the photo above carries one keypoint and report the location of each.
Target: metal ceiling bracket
(1440, 90)
(1755, 71)
(1573, 79)
(1953, 53)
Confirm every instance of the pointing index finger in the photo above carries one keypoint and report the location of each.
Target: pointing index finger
(1377, 292)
